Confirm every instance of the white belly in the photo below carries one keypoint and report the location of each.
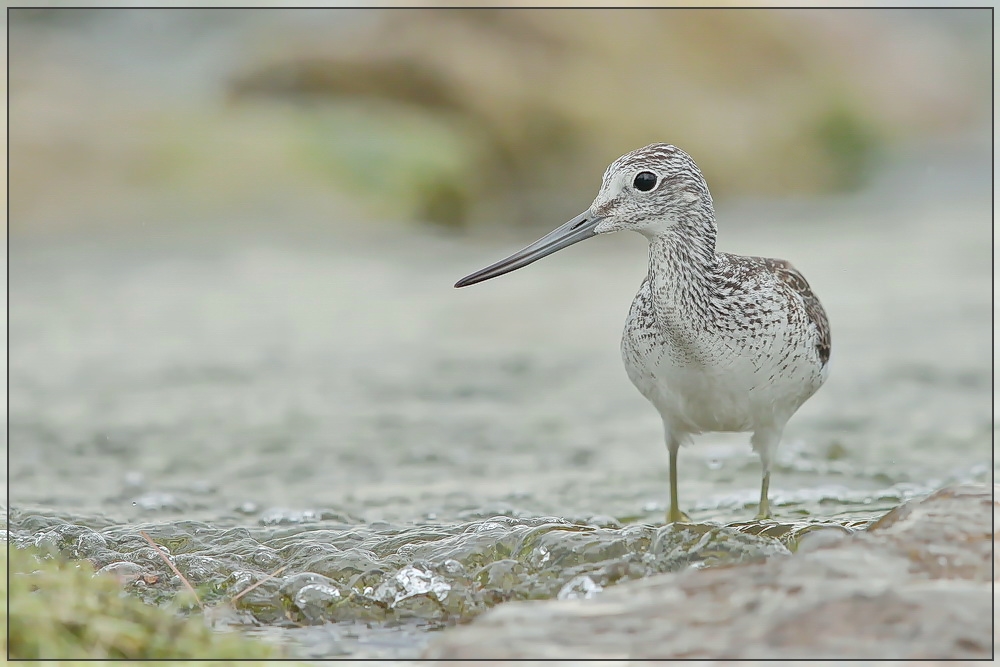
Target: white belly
(723, 386)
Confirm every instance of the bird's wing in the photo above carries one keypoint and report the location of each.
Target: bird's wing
(789, 275)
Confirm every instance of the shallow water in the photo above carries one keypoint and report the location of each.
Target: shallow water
(320, 399)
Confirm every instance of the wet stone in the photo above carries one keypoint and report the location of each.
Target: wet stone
(915, 585)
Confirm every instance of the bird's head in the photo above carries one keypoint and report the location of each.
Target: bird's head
(650, 191)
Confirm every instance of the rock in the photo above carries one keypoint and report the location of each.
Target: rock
(915, 585)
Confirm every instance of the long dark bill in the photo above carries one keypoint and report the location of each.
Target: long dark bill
(578, 229)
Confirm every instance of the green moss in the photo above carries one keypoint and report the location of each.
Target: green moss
(406, 161)
(850, 144)
(61, 610)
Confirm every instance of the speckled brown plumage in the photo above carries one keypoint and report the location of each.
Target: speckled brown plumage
(789, 275)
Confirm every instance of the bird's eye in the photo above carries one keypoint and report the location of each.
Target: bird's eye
(644, 181)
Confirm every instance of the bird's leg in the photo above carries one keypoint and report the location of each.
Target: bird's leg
(764, 508)
(675, 514)
(764, 442)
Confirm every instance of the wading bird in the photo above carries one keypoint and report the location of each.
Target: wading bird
(715, 341)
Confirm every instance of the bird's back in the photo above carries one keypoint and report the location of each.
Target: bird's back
(749, 285)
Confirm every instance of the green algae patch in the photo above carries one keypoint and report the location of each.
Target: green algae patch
(62, 610)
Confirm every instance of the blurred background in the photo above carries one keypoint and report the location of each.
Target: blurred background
(462, 118)
(233, 240)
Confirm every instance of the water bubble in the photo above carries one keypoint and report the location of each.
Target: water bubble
(283, 517)
(489, 525)
(239, 580)
(410, 582)
(503, 574)
(316, 600)
(581, 587)
(123, 571)
(134, 480)
(604, 521)
(266, 558)
(248, 507)
(452, 567)
(293, 583)
(149, 556)
(88, 544)
(198, 569)
(201, 487)
(159, 501)
(48, 542)
(543, 555)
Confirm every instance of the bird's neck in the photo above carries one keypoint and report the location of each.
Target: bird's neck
(682, 269)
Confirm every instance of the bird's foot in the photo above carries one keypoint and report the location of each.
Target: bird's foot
(674, 515)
